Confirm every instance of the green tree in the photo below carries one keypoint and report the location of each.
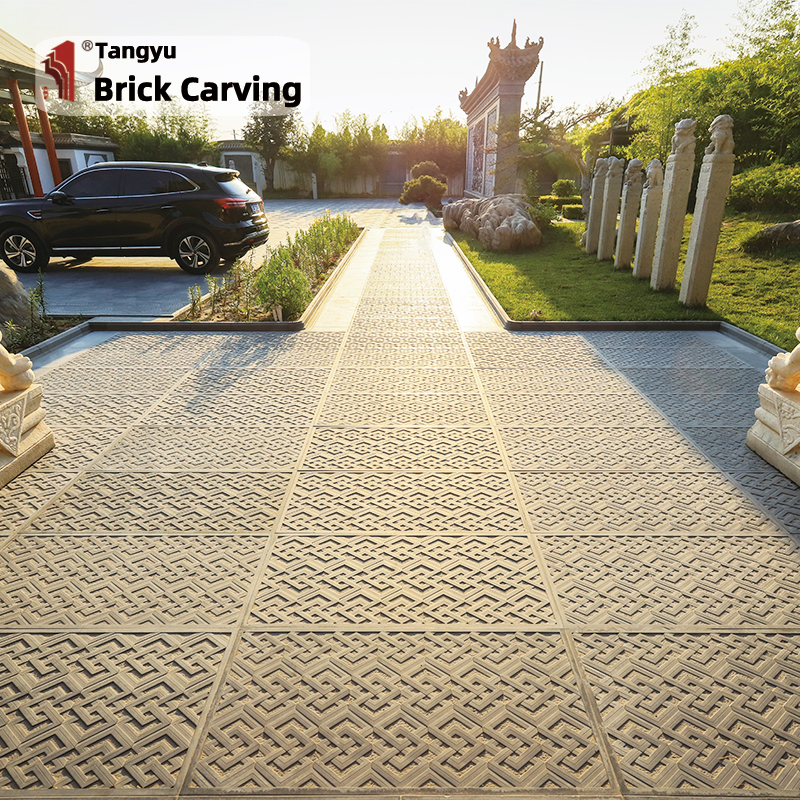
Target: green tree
(269, 134)
(438, 138)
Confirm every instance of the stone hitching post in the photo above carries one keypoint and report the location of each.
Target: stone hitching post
(648, 220)
(712, 192)
(608, 219)
(677, 183)
(23, 435)
(776, 433)
(596, 205)
(631, 196)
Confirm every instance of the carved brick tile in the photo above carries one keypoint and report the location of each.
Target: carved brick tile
(651, 502)
(124, 580)
(101, 711)
(146, 502)
(676, 580)
(712, 712)
(423, 501)
(400, 711)
(446, 580)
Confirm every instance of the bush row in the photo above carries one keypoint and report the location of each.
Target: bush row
(772, 188)
(557, 201)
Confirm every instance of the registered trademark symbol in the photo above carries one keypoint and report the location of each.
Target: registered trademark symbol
(87, 45)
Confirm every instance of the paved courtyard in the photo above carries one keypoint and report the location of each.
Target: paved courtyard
(411, 555)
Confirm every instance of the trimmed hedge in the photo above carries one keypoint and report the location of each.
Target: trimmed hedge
(556, 201)
(772, 188)
(572, 212)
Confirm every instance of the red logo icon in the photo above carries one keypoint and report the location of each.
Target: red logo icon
(60, 65)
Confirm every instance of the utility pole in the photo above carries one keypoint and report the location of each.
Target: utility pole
(539, 93)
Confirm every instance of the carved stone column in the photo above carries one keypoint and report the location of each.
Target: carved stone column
(677, 183)
(608, 220)
(596, 205)
(631, 196)
(712, 192)
(648, 220)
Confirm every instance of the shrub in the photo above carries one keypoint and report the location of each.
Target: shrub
(428, 168)
(572, 211)
(543, 214)
(280, 283)
(772, 188)
(424, 189)
(564, 188)
(558, 202)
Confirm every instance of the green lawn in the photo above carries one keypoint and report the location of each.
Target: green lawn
(760, 293)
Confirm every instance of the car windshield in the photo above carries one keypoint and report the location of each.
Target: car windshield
(231, 185)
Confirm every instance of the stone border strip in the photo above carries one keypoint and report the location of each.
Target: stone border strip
(719, 326)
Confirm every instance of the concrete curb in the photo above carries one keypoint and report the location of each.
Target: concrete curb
(315, 306)
(720, 326)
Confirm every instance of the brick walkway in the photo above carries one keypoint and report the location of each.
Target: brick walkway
(399, 558)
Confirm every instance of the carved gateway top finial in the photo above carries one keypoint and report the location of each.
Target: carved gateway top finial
(517, 63)
(721, 131)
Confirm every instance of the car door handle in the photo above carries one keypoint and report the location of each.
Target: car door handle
(102, 210)
(167, 208)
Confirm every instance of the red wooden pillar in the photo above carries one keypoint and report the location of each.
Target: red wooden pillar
(47, 134)
(25, 134)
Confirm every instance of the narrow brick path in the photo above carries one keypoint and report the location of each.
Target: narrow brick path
(400, 558)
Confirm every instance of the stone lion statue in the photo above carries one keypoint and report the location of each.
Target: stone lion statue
(783, 371)
(721, 130)
(633, 172)
(683, 139)
(654, 173)
(15, 371)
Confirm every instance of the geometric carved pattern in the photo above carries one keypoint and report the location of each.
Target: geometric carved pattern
(403, 449)
(546, 410)
(75, 448)
(716, 711)
(416, 580)
(400, 710)
(654, 502)
(210, 410)
(401, 410)
(707, 412)
(153, 447)
(709, 382)
(101, 711)
(113, 580)
(26, 494)
(603, 380)
(675, 580)
(369, 381)
(601, 449)
(698, 355)
(148, 502)
(391, 501)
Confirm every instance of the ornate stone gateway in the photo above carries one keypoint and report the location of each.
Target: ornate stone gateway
(492, 110)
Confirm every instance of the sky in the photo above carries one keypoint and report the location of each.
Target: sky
(394, 60)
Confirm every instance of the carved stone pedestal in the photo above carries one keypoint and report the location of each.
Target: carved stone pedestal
(23, 435)
(776, 434)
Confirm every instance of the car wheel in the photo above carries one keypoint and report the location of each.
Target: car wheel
(196, 252)
(22, 250)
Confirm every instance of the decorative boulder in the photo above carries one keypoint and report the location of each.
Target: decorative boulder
(501, 223)
(14, 301)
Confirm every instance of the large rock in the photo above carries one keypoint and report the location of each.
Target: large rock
(14, 301)
(501, 223)
(782, 233)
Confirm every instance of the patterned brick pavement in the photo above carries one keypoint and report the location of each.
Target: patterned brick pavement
(401, 559)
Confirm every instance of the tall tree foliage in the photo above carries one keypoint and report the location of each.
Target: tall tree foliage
(268, 134)
(759, 88)
(438, 138)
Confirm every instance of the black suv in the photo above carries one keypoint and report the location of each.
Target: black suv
(190, 212)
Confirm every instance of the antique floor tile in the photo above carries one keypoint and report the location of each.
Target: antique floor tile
(652, 502)
(125, 580)
(714, 712)
(676, 581)
(146, 502)
(397, 381)
(400, 711)
(156, 447)
(411, 580)
(404, 410)
(392, 501)
(87, 711)
(403, 449)
(612, 448)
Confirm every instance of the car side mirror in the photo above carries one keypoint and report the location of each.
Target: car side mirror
(60, 198)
